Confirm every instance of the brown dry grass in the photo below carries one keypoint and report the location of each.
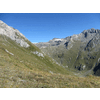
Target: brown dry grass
(26, 70)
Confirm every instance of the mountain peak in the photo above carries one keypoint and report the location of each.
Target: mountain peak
(13, 34)
(92, 30)
(1, 21)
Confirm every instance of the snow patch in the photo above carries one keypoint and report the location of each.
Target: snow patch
(57, 39)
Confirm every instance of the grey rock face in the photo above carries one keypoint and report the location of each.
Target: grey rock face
(89, 34)
(92, 30)
(94, 43)
(38, 54)
(79, 52)
(13, 34)
(53, 42)
(85, 36)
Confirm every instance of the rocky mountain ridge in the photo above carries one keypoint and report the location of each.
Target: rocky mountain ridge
(84, 36)
(14, 34)
(78, 52)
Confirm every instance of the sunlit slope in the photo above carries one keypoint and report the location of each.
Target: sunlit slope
(15, 59)
(21, 68)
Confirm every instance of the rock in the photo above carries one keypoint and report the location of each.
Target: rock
(51, 72)
(38, 54)
(92, 30)
(83, 49)
(13, 34)
(98, 59)
(85, 36)
(84, 67)
(9, 52)
(66, 66)
(95, 41)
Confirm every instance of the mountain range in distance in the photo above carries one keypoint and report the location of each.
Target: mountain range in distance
(78, 52)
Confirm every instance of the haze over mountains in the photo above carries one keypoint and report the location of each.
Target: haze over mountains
(58, 63)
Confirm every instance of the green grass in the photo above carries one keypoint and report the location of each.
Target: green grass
(75, 56)
(27, 70)
(62, 55)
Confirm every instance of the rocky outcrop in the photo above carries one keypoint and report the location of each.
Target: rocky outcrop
(13, 34)
(38, 54)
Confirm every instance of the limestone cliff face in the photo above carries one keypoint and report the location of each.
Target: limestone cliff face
(14, 34)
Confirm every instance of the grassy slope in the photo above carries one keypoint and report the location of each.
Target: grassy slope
(75, 56)
(64, 56)
(24, 69)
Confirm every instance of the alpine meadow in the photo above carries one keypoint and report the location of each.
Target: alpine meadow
(70, 62)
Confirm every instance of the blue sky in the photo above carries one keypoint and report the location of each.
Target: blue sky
(42, 27)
